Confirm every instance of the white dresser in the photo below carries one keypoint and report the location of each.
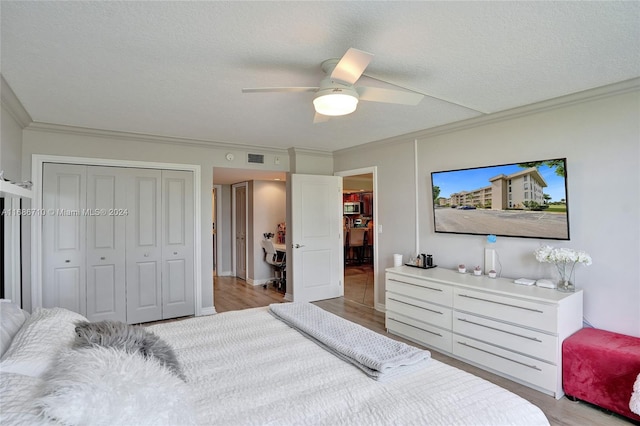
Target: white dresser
(512, 330)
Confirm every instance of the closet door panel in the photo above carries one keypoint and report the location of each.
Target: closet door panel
(66, 290)
(63, 237)
(143, 245)
(177, 243)
(106, 216)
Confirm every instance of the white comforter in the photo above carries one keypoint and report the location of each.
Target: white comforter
(248, 368)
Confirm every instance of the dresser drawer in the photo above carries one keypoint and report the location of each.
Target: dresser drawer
(521, 312)
(528, 342)
(423, 311)
(418, 331)
(532, 371)
(420, 289)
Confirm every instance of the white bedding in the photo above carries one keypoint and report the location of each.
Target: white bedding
(248, 368)
(242, 368)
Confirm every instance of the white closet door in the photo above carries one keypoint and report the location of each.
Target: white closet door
(143, 246)
(106, 215)
(63, 237)
(177, 244)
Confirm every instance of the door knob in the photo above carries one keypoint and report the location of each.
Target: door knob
(298, 245)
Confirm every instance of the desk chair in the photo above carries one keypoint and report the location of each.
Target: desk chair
(278, 261)
(356, 244)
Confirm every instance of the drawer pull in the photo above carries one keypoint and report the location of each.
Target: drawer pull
(500, 303)
(416, 285)
(500, 356)
(415, 306)
(535, 339)
(411, 325)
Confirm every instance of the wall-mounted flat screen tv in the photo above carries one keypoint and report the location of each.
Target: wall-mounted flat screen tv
(527, 199)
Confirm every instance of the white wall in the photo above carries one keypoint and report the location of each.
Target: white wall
(13, 117)
(310, 162)
(66, 141)
(10, 146)
(269, 209)
(599, 137)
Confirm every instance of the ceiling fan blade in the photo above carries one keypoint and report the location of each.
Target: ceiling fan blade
(280, 89)
(320, 118)
(377, 94)
(351, 66)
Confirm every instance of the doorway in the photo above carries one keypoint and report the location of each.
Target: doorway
(360, 272)
(224, 180)
(216, 195)
(239, 224)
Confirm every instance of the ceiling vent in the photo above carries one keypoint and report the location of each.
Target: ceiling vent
(255, 158)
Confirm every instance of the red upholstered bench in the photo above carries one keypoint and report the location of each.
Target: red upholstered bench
(601, 367)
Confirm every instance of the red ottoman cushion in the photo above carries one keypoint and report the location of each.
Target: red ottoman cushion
(601, 367)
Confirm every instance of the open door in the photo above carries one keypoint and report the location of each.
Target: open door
(315, 261)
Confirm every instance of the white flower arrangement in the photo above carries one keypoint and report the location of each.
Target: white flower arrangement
(562, 255)
(565, 259)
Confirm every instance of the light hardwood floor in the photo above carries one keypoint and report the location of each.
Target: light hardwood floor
(358, 284)
(232, 294)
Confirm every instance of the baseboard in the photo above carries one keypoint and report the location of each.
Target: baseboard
(380, 307)
(259, 282)
(207, 311)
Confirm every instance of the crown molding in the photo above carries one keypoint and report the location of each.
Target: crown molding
(142, 137)
(13, 105)
(584, 96)
(310, 152)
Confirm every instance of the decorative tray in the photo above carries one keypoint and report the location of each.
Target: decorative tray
(420, 267)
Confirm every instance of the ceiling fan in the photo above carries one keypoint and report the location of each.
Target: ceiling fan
(337, 93)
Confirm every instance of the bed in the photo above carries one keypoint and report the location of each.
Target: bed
(242, 368)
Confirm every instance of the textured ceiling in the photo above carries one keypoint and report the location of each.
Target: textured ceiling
(177, 68)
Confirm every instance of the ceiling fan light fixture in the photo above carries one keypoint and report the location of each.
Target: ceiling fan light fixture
(335, 103)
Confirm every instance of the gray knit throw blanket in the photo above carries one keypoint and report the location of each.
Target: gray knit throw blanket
(380, 357)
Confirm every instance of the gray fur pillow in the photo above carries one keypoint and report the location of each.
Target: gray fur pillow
(129, 338)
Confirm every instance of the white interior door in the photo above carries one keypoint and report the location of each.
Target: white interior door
(240, 229)
(64, 237)
(177, 244)
(144, 246)
(106, 216)
(315, 264)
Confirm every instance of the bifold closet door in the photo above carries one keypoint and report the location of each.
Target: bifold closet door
(64, 236)
(118, 243)
(105, 219)
(144, 245)
(177, 244)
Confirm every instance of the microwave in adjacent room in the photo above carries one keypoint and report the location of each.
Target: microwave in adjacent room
(352, 208)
